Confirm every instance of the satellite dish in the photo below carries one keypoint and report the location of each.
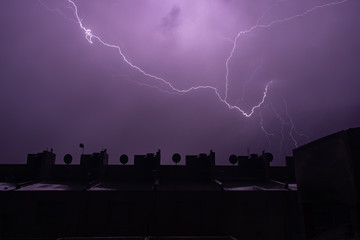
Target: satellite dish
(233, 159)
(268, 157)
(67, 159)
(124, 159)
(176, 158)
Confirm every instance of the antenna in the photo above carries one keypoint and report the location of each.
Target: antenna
(82, 146)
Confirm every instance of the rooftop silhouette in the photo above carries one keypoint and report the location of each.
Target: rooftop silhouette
(249, 199)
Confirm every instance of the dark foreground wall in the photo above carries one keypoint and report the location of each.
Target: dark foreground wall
(247, 200)
(327, 172)
(243, 209)
(250, 215)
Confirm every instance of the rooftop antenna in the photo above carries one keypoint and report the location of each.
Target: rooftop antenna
(82, 146)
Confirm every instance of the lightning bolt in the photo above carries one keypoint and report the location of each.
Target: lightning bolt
(288, 121)
(91, 36)
(292, 128)
(264, 26)
(267, 133)
(58, 11)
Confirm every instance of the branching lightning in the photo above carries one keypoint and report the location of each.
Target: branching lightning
(223, 97)
(91, 36)
(284, 121)
(293, 129)
(267, 133)
(58, 11)
(262, 26)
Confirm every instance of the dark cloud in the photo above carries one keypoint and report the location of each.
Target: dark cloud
(172, 20)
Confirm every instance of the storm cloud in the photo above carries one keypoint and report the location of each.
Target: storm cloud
(172, 20)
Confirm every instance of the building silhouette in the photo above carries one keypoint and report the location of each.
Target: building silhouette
(328, 178)
(247, 200)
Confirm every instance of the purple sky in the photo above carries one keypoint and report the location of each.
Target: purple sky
(57, 90)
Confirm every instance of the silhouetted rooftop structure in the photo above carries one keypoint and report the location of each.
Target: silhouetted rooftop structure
(248, 200)
(146, 199)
